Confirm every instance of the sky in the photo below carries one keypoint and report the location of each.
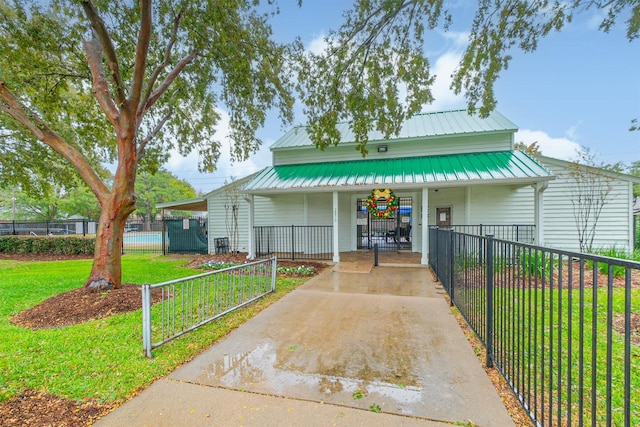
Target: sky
(580, 88)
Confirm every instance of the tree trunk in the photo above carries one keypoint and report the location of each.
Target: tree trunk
(106, 272)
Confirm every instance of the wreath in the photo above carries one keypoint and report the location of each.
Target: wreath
(391, 203)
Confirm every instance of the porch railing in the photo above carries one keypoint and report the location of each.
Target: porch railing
(560, 326)
(173, 308)
(294, 241)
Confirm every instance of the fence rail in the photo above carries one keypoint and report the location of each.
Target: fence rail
(524, 233)
(173, 308)
(558, 325)
(294, 241)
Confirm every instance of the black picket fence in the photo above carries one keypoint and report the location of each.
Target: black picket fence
(294, 241)
(558, 325)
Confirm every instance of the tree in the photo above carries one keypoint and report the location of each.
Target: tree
(532, 148)
(96, 81)
(231, 200)
(634, 169)
(591, 185)
(157, 188)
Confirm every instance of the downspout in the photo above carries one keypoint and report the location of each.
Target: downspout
(252, 235)
(539, 211)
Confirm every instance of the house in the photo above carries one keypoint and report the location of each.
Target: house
(443, 169)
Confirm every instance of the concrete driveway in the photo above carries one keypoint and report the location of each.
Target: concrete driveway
(332, 352)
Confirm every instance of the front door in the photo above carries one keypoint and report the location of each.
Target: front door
(443, 217)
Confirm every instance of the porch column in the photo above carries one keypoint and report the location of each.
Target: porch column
(252, 235)
(425, 227)
(539, 211)
(336, 234)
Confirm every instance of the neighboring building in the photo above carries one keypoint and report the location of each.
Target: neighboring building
(446, 168)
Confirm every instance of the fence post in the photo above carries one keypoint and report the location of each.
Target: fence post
(375, 254)
(436, 252)
(274, 271)
(489, 270)
(451, 268)
(146, 319)
(293, 243)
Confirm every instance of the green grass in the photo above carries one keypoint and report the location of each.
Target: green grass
(540, 322)
(101, 359)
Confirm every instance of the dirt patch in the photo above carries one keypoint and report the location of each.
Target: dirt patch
(35, 409)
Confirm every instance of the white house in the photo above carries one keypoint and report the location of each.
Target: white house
(446, 168)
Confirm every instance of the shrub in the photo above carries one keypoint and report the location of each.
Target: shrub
(47, 245)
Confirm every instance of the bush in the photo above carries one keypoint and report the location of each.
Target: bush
(47, 245)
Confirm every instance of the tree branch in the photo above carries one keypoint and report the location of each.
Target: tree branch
(93, 52)
(142, 52)
(162, 88)
(143, 144)
(13, 107)
(162, 66)
(100, 30)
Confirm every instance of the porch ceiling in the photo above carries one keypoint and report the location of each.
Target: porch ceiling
(505, 167)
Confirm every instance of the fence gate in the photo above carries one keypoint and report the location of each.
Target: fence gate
(389, 234)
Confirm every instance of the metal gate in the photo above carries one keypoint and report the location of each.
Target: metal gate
(389, 234)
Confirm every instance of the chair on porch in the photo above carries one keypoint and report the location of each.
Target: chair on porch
(402, 232)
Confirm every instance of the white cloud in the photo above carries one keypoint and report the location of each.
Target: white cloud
(443, 67)
(317, 45)
(445, 99)
(559, 148)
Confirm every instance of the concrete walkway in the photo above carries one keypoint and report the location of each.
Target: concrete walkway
(348, 341)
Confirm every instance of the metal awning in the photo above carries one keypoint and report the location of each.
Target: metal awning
(457, 169)
(197, 204)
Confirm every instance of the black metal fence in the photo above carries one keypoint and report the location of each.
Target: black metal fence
(562, 327)
(294, 241)
(524, 233)
(168, 235)
(47, 228)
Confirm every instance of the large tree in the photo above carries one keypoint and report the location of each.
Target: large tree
(122, 81)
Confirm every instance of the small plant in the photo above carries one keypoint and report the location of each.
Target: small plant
(374, 407)
(358, 394)
(217, 265)
(612, 252)
(300, 270)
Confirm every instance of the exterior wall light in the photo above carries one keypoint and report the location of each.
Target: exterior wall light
(382, 148)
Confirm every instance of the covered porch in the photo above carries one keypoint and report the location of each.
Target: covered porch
(330, 195)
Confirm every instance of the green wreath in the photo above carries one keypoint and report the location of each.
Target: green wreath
(388, 197)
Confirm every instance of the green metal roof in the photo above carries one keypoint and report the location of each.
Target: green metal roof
(463, 169)
(456, 122)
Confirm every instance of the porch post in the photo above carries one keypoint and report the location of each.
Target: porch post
(252, 234)
(425, 226)
(539, 211)
(336, 234)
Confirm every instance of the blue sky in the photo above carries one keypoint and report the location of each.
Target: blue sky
(581, 87)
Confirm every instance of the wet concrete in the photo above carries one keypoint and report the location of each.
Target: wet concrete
(386, 338)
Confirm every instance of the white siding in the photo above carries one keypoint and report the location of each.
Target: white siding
(559, 221)
(397, 149)
(502, 205)
(217, 222)
(448, 197)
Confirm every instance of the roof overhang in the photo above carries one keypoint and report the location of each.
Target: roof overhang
(500, 167)
(197, 204)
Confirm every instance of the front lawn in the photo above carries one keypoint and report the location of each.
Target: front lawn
(101, 359)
